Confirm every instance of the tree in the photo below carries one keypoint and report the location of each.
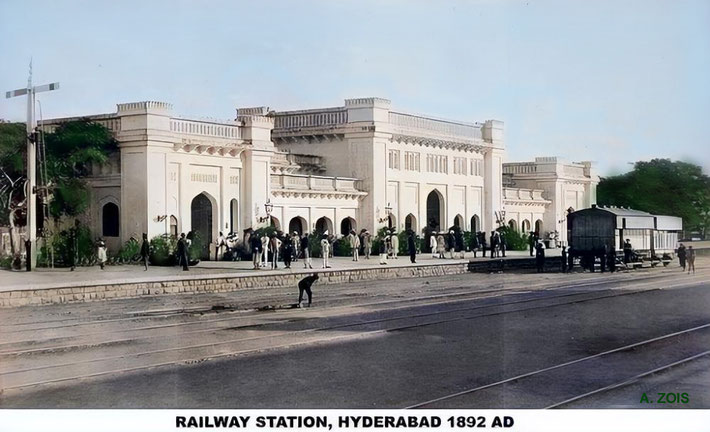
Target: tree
(663, 187)
(71, 150)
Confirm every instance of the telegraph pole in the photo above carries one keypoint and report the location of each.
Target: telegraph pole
(31, 190)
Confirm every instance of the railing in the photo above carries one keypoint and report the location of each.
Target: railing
(470, 131)
(301, 182)
(520, 168)
(329, 117)
(194, 127)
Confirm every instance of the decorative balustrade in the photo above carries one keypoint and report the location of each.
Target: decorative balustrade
(520, 168)
(469, 131)
(315, 183)
(328, 117)
(202, 128)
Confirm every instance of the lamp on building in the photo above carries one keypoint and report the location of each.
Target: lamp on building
(161, 218)
(500, 218)
(268, 208)
(388, 212)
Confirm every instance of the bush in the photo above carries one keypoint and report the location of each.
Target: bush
(341, 247)
(85, 252)
(194, 251)
(513, 239)
(162, 250)
(6, 262)
(128, 251)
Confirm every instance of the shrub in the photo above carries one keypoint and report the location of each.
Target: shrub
(61, 244)
(513, 239)
(194, 251)
(341, 247)
(6, 262)
(162, 250)
(128, 251)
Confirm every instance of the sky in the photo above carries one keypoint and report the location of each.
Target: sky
(608, 81)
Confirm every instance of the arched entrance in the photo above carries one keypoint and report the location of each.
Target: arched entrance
(297, 224)
(410, 223)
(324, 224)
(538, 227)
(434, 210)
(513, 225)
(475, 223)
(458, 221)
(347, 225)
(526, 226)
(110, 220)
(202, 212)
(274, 223)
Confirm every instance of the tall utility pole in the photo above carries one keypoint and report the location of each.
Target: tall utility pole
(31, 191)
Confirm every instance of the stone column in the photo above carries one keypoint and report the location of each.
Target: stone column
(492, 133)
(257, 168)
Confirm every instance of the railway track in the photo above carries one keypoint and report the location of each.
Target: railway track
(124, 361)
(658, 347)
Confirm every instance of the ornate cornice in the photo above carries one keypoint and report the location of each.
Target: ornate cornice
(290, 193)
(440, 143)
(210, 149)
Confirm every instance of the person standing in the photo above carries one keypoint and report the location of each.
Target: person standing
(295, 243)
(628, 250)
(306, 251)
(255, 250)
(219, 247)
(540, 257)
(502, 243)
(287, 251)
(681, 255)
(474, 243)
(145, 251)
(441, 245)
(394, 241)
(383, 250)
(367, 244)
(691, 259)
(274, 245)
(570, 260)
(483, 244)
(531, 242)
(101, 252)
(494, 245)
(182, 252)
(432, 244)
(460, 248)
(325, 250)
(564, 259)
(354, 245)
(451, 243)
(412, 247)
(304, 285)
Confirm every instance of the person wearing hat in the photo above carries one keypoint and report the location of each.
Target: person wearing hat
(295, 242)
(366, 243)
(306, 251)
(354, 245)
(274, 245)
(325, 249)
(441, 245)
(394, 241)
(451, 243)
(432, 244)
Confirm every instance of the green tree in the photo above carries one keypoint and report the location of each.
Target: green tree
(663, 187)
(71, 150)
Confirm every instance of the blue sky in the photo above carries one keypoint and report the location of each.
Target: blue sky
(608, 81)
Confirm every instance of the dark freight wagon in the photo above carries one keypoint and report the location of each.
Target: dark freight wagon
(598, 231)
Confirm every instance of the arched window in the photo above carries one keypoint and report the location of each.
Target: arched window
(513, 224)
(173, 226)
(110, 220)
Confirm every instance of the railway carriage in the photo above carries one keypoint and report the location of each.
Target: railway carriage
(594, 231)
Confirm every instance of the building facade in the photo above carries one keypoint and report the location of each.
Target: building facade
(360, 165)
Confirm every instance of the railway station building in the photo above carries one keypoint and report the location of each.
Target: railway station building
(359, 165)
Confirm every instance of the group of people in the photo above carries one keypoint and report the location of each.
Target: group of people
(686, 257)
(266, 249)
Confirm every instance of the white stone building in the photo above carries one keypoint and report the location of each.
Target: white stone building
(360, 165)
